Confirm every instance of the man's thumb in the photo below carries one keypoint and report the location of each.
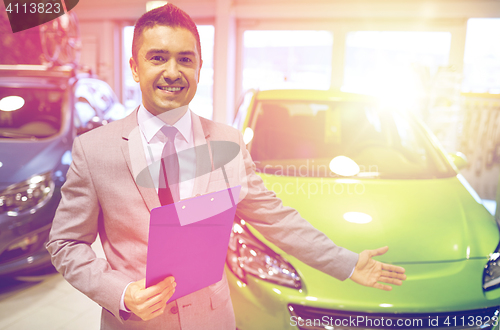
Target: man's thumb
(379, 251)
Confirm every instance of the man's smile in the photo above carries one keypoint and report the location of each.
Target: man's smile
(170, 89)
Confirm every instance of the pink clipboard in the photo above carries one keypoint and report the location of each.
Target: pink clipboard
(189, 240)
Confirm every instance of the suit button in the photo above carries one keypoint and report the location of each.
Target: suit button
(174, 310)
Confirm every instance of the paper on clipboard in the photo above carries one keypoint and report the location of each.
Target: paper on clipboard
(189, 240)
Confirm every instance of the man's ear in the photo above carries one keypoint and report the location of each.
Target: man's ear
(199, 71)
(135, 69)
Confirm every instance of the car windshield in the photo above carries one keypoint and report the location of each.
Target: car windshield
(299, 138)
(30, 113)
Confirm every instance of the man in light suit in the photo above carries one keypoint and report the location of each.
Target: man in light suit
(101, 196)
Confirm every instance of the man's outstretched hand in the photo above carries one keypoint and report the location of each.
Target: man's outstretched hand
(369, 272)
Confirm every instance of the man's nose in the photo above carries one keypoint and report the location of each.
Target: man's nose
(171, 71)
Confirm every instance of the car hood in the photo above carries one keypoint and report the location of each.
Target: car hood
(23, 159)
(420, 220)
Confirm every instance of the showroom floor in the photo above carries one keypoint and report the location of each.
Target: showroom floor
(47, 303)
(50, 303)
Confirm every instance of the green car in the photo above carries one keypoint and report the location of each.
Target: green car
(367, 176)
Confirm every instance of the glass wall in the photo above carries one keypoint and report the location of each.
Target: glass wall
(202, 103)
(279, 59)
(482, 56)
(131, 92)
(393, 62)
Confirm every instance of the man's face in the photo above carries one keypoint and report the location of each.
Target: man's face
(167, 68)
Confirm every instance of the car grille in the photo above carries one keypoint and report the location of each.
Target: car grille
(312, 318)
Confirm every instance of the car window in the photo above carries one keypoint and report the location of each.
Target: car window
(108, 103)
(84, 112)
(101, 101)
(104, 96)
(85, 109)
(384, 143)
(39, 113)
(97, 93)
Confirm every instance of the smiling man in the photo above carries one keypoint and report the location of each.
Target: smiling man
(101, 196)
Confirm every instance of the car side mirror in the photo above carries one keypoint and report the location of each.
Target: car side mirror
(458, 159)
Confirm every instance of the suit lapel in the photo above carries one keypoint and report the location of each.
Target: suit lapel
(133, 151)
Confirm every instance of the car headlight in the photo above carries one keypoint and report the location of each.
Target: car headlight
(248, 255)
(27, 196)
(491, 275)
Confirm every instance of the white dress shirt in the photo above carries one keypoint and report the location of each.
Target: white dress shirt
(153, 141)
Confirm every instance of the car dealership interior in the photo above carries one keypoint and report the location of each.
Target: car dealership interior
(377, 120)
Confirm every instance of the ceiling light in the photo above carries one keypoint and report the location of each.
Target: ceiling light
(11, 103)
(150, 5)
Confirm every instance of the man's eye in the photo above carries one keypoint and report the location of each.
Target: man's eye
(186, 60)
(157, 58)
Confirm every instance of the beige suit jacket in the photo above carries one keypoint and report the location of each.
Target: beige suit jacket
(101, 196)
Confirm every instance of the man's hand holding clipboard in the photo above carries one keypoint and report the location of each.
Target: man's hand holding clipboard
(148, 303)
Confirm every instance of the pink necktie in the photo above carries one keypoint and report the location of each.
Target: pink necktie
(168, 189)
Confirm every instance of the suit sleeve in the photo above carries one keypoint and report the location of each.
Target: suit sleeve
(74, 229)
(284, 227)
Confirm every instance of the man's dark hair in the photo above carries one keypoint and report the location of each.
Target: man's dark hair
(168, 15)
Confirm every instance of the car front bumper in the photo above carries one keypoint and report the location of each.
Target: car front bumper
(28, 263)
(23, 238)
(262, 305)
(311, 318)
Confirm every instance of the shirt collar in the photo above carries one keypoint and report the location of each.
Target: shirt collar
(150, 124)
